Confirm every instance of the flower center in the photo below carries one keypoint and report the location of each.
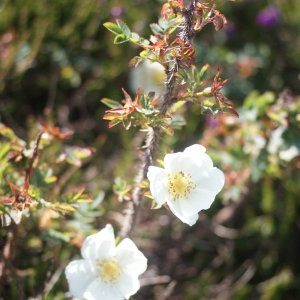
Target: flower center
(180, 185)
(109, 270)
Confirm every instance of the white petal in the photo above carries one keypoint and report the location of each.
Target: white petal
(190, 220)
(131, 258)
(100, 245)
(171, 162)
(210, 180)
(158, 184)
(175, 207)
(99, 290)
(198, 155)
(79, 273)
(128, 285)
(197, 200)
(195, 150)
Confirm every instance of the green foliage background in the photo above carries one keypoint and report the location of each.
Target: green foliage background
(57, 60)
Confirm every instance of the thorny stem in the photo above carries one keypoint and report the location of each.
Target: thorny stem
(186, 33)
(34, 155)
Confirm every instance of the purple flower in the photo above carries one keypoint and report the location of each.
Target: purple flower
(268, 17)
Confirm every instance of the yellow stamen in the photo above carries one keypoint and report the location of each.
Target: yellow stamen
(180, 185)
(109, 270)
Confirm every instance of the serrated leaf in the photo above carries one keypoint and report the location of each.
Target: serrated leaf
(120, 38)
(144, 54)
(57, 235)
(7, 132)
(144, 41)
(125, 29)
(50, 179)
(177, 121)
(4, 149)
(75, 154)
(166, 127)
(148, 195)
(160, 117)
(72, 195)
(98, 199)
(111, 103)
(80, 152)
(156, 28)
(185, 75)
(134, 62)
(114, 115)
(114, 122)
(134, 37)
(163, 23)
(204, 73)
(64, 208)
(144, 102)
(155, 205)
(144, 184)
(34, 192)
(178, 104)
(195, 73)
(113, 28)
(161, 162)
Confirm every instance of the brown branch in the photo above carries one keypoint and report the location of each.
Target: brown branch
(34, 155)
(187, 33)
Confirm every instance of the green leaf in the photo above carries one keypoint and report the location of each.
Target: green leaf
(120, 38)
(156, 28)
(134, 62)
(163, 23)
(7, 132)
(144, 54)
(113, 28)
(64, 208)
(144, 102)
(57, 236)
(144, 41)
(114, 122)
(72, 195)
(185, 75)
(34, 192)
(177, 122)
(134, 37)
(75, 154)
(195, 73)
(111, 103)
(204, 73)
(4, 149)
(125, 29)
(166, 127)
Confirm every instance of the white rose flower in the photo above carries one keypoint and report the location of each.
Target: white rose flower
(188, 183)
(107, 271)
(148, 76)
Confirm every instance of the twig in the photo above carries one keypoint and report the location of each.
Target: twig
(168, 291)
(187, 33)
(34, 155)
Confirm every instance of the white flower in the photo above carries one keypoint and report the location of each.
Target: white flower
(106, 272)
(188, 183)
(148, 76)
(277, 144)
(289, 154)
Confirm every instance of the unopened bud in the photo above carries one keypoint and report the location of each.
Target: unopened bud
(206, 92)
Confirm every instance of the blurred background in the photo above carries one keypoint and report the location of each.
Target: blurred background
(57, 60)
